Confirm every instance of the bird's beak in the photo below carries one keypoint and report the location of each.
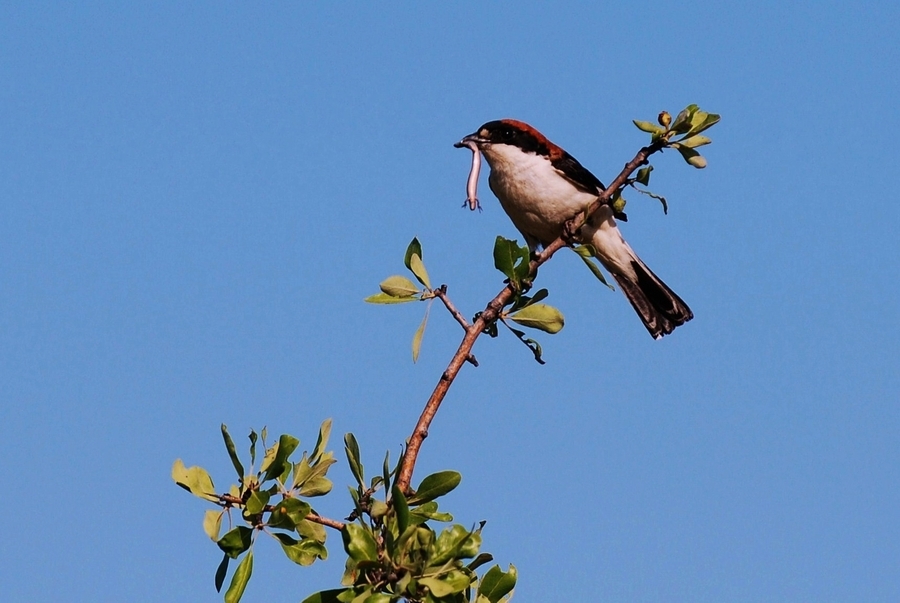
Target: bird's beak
(469, 140)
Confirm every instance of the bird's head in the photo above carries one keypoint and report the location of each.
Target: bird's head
(509, 132)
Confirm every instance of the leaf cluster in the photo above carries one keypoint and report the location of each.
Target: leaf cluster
(269, 499)
(393, 553)
(514, 261)
(683, 135)
(399, 289)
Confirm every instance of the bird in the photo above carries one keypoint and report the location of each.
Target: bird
(540, 187)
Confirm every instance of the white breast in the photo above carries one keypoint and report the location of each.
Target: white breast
(537, 198)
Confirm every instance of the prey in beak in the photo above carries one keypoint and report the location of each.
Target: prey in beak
(471, 142)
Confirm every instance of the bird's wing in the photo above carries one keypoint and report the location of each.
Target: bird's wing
(577, 174)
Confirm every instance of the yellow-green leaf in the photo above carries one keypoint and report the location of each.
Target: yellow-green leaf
(698, 161)
(398, 286)
(324, 434)
(701, 121)
(240, 579)
(212, 522)
(691, 156)
(451, 583)
(417, 337)
(195, 480)
(384, 298)
(694, 141)
(643, 175)
(540, 316)
(646, 126)
(418, 268)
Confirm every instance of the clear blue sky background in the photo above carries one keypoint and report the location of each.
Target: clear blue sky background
(195, 199)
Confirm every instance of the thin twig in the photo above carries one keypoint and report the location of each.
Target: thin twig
(441, 294)
(495, 307)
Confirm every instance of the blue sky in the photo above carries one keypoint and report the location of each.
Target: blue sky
(195, 199)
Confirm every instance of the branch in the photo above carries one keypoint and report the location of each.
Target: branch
(325, 521)
(233, 501)
(495, 307)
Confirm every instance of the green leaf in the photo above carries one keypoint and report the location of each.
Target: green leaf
(691, 156)
(286, 446)
(414, 248)
(399, 286)
(253, 438)
(643, 175)
(322, 442)
(450, 583)
(257, 502)
(377, 509)
(359, 542)
(379, 598)
(531, 344)
(349, 595)
(240, 579)
(509, 258)
(418, 268)
(659, 198)
(539, 296)
(386, 472)
(232, 453)
(401, 508)
(480, 560)
(221, 571)
(682, 122)
(312, 530)
(496, 583)
(427, 511)
(434, 486)
(236, 541)
(384, 298)
(316, 486)
(417, 337)
(522, 300)
(212, 523)
(195, 480)
(455, 542)
(351, 447)
(304, 473)
(586, 253)
(540, 316)
(650, 128)
(301, 552)
(693, 142)
(325, 596)
(288, 513)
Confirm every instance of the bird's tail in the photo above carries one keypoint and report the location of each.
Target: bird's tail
(660, 309)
